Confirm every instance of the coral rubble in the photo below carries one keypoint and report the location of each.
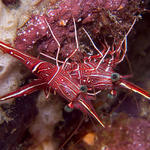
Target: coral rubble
(93, 13)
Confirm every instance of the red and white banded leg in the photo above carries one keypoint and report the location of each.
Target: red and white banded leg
(135, 88)
(25, 90)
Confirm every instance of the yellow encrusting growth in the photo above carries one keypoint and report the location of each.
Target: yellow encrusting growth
(89, 138)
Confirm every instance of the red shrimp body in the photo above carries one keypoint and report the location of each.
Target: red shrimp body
(54, 77)
(103, 77)
(51, 76)
(87, 74)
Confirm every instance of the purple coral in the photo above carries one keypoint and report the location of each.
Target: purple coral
(114, 4)
(126, 134)
(10, 2)
(60, 19)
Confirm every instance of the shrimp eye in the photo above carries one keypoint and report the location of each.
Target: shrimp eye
(112, 95)
(68, 109)
(115, 77)
(83, 88)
